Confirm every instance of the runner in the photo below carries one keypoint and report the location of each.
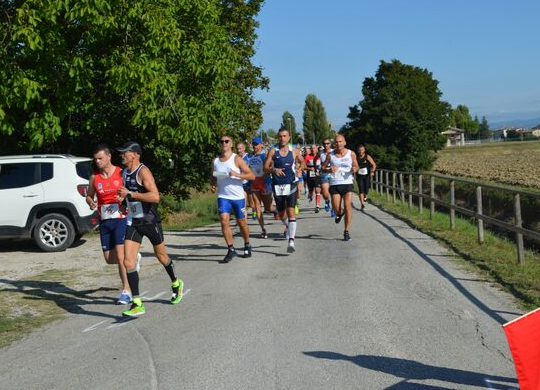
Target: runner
(301, 183)
(313, 168)
(325, 176)
(343, 164)
(366, 170)
(241, 149)
(104, 184)
(142, 195)
(280, 162)
(259, 187)
(229, 170)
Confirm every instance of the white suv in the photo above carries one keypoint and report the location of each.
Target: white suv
(43, 197)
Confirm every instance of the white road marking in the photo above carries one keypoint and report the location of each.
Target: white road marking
(91, 328)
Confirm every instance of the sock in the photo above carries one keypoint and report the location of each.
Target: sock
(292, 228)
(246, 244)
(327, 201)
(170, 270)
(285, 222)
(318, 199)
(230, 247)
(133, 280)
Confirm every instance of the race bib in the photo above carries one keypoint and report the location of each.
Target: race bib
(312, 174)
(339, 175)
(363, 171)
(135, 209)
(110, 211)
(220, 175)
(282, 189)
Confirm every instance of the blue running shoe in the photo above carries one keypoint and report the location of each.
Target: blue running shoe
(327, 206)
(125, 298)
(333, 214)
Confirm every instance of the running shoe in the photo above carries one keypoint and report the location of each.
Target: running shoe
(276, 215)
(290, 247)
(310, 199)
(346, 236)
(338, 218)
(333, 213)
(138, 266)
(317, 209)
(264, 234)
(125, 298)
(177, 291)
(286, 233)
(327, 206)
(296, 210)
(363, 207)
(231, 254)
(254, 215)
(247, 251)
(365, 198)
(136, 309)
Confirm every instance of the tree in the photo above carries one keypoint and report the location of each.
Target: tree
(171, 74)
(316, 126)
(483, 129)
(460, 117)
(400, 118)
(288, 122)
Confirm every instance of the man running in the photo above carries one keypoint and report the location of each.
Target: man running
(259, 187)
(104, 185)
(229, 169)
(313, 168)
(325, 175)
(366, 170)
(142, 196)
(343, 165)
(241, 149)
(280, 162)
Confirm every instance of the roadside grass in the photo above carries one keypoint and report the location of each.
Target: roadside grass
(495, 260)
(199, 210)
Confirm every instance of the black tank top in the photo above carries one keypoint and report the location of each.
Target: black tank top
(363, 162)
(150, 212)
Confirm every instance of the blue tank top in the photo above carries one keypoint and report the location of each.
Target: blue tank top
(287, 164)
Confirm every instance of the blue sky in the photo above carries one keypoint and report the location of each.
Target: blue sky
(484, 53)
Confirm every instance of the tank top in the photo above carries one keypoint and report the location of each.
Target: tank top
(142, 213)
(364, 165)
(228, 187)
(313, 161)
(256, 163)
(287, 164)
(344, 173)
(106, 193)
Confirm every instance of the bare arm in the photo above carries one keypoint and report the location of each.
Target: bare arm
(268, 166)
(148, 182)
(355, 166)
(373, 165)
(91, 193)
(213, 180)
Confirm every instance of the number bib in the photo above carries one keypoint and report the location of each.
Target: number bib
(135, 209)
(363, 171)
(282, 189)
(110, 211)
(312, 174)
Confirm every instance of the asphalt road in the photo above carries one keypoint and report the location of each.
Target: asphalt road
(388, 310)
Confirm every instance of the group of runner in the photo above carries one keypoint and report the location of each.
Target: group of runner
(127, 199)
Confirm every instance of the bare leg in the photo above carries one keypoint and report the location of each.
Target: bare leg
(161, 253)
(226, 228)
(257, 200)
(244, 229)
(131, 248)
(347, 204)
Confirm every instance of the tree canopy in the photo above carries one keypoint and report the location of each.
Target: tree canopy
(316, 126)
(288, 122)
(400, 118)
(170, 74)
(461, 118)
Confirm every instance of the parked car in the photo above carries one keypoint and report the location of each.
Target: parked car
(43, 197)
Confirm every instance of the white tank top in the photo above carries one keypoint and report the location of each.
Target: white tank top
(344, 174)
(228, 187)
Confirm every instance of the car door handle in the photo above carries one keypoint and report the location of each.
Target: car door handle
(30, 196)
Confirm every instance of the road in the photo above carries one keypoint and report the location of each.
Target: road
(388, 310)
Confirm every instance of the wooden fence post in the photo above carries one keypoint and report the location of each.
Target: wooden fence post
(479, 212)
(519, 223)
(387, 185)
(421, 192)
(410, 190)
(431, 197)
(394, 186)
(452, 204)
(401, 188)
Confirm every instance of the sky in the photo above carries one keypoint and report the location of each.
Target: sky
(484, 53)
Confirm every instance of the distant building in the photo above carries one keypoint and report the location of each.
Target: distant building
(454, 136)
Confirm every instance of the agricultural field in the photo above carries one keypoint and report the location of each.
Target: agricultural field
(514, 163)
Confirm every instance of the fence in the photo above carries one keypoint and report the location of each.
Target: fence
(387, 181)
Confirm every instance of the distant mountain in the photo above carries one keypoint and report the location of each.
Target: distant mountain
(515, 122)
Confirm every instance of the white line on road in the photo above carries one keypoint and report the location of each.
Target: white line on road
(91, 328)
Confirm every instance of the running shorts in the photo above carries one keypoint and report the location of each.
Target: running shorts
(153, 231)
(260, 185)
(284, 201)
(325, 178)
(112, 232)
(341, 189)
(313, 182)
(363, 184)
(238, 206)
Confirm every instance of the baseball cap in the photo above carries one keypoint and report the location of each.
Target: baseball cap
(257, 140)
(130, 146)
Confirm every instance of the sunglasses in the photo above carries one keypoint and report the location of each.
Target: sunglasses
(224, 141)
(326, 143)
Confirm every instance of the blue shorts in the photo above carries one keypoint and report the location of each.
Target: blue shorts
(325, 177)
(112, 232)
(237, 205)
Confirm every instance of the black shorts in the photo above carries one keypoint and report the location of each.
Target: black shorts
(341, 189)
(153, 231)
(284, 201)
(313, 182)
(363, 184)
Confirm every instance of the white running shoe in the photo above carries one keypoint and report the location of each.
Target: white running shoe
(290, 247)
(138, 266)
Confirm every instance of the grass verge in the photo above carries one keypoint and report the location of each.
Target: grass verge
(496, 259)
(199, 210)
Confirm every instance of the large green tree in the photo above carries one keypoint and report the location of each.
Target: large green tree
(288, 122)
(461, 118)
(170, 74)
(316, 126)
(400, 118)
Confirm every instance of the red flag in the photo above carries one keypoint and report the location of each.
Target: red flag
(523, 336)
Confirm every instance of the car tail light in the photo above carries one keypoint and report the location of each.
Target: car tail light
(82, 189)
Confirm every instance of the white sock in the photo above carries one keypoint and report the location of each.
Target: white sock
(292, 228)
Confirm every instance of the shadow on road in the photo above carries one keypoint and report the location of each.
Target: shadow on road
(66, 298)
(412, 370)
(455, 282)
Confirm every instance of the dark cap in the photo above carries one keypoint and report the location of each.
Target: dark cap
(130, 147)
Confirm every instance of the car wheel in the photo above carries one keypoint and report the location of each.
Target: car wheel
(54, 233)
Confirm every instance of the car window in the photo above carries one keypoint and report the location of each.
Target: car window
(18, 175)
(84, 169)
(46, 171)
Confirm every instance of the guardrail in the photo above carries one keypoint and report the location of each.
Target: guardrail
(387, 181)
